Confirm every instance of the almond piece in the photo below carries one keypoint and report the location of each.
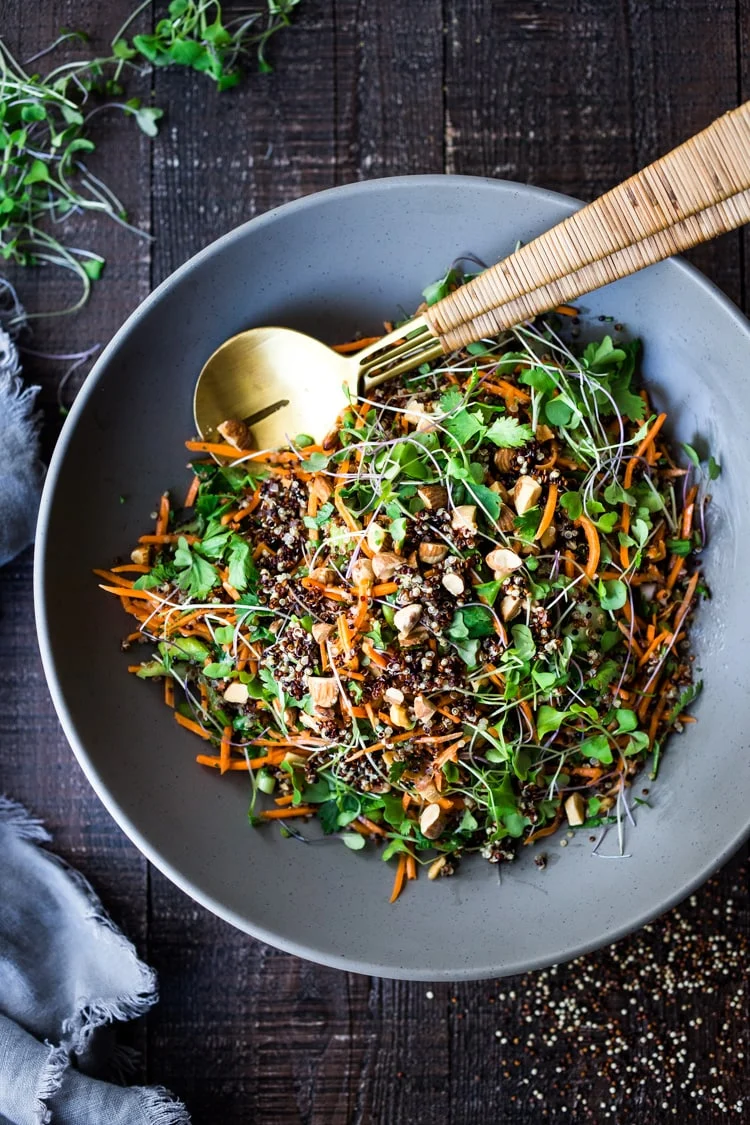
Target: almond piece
(465, 518)
(453, 583)
(321, 632)
(326, 575)
(435, 868)
(526, 493)
(320, 488)
(416, 636)
(427, 789)
(510, 607)
(385, 565)
(423, 709)
(505, 459)
(544, 433)
(394, 695)
(548, 537)
(236, 433)
(405, 619)
(503, 562)
(237, 693)
(141, 556)
(324, 691)
(433, 496)
(363, 574)
(432, 552)
(575, 810)
(431, 822)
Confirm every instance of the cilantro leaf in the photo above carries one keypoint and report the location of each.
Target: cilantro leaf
(241, 567)
(691, 454)
(714, 468)
(194, 574)
(509, 433)
(451, 400)
(464, 425)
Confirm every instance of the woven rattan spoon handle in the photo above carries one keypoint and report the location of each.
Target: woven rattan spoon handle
(687, 189)
(689, 232)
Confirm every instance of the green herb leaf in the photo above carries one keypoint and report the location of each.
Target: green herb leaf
(597, 747)
(353, 841)
(612, 594)
(509, 433)
(194, 574)
(572, 505)
(523, 642)
(714, 469)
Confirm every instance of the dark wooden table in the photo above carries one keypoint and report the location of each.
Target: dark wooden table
(569, 94)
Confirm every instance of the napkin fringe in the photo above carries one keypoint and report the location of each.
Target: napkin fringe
(163, 1108)
(22, 823)
(50, 1081)
(77, 1030)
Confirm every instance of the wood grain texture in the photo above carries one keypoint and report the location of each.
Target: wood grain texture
(573, 96)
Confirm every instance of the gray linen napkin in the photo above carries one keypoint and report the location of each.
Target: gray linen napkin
(21, 472)
(66, 973)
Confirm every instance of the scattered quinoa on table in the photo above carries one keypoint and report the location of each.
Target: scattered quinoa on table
(458, 623)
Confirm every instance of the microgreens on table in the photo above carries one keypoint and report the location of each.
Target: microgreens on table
(45, 134)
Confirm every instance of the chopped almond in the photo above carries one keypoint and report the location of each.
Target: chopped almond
(433, 496)
(453, 583)
(431, 822)
(465, 518)
(575, 810)
(432, 552)
(324, 691)
(526, 494)
(405, 619)
(237, 693)
(385, 564)
(236, 433)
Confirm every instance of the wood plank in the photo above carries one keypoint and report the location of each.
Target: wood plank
(36, 763)
(389, 95)
(678, 88)
(538, 93)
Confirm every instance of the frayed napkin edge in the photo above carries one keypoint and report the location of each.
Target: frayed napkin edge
(159, 1105)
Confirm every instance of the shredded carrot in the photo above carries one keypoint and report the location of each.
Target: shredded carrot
(112, 576)
(192, 492)
(398, 882)
(284, 802)
(411, 866)
(375, 656)
(675, 571)
(128, 568)
(625, 523)
(128, 592)
(371, 826)
(546, 831)
(633, 462)
(160, 539)
(569, 564)
(384, 588)
(549, 511)
(281, 814)
(345, 635)
(215, 761)
(663, 636)
(653, 726)
(448, 755)
(625, 630)
(594, 772)
(687, 512)
(225, 749)
(162, 521)
(188, 724)
(356, 345)
(592, 541)
(566, 310)
(169, 691)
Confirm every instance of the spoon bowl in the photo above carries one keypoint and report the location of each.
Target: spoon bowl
(281, 383)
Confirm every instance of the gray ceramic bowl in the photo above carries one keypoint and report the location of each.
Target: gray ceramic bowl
(332, 264)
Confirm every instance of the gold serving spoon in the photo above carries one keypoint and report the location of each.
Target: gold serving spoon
(282, 383)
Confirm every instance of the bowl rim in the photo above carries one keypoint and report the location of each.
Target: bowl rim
(67, 721)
